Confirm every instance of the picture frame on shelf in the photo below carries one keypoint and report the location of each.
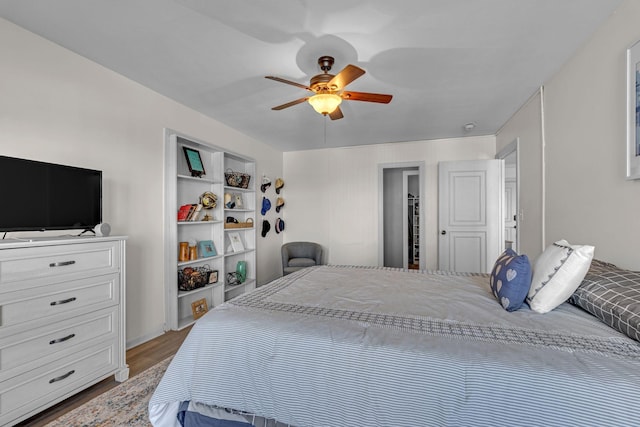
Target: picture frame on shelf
(236, 242)
(194, 161)
(206, 248)
(238, 200)
(199, 308)
(633, 112)
(213, 277)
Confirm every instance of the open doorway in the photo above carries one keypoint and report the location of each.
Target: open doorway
(401, 215)
(511, 194)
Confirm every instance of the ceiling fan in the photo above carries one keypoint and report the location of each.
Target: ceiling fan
(329, 90)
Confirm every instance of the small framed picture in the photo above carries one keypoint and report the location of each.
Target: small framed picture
(194, 161)
(236, 242)
(199, 308)
(237, 199)
(206, 248)
(213, 276)
(633, 111)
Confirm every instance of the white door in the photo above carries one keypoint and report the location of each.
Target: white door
(470, 217)
(510, 212)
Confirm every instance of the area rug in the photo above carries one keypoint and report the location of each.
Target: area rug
(124, 405)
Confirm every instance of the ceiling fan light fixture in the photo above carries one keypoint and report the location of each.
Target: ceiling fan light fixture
(325, 103)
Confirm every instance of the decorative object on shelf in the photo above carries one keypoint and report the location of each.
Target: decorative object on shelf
(193, 253)
(237, 179)
(266, 205)
(196, 213)
(207, 217)
(241, 271)
(265, 228)
(266, 183)
(194, 161)
(213, 277)
(279, 185)
(234, 223)
(229, 203)
(279, 225)
(206, 248)
(232, 279)
(190, 278)
(199, 308)
(208, 200)
(236, 242)
(279, 204)
(183, 255)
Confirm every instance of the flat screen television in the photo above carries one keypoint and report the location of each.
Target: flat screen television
(46, 196)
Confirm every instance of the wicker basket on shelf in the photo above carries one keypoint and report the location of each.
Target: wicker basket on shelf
(237, 179)
(190, 278)
(247, 224)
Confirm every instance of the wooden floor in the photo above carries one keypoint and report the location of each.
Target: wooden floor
(138, 358)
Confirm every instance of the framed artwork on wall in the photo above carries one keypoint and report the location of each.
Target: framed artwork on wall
(633, 111)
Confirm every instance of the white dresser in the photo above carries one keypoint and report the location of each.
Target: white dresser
(62, 320)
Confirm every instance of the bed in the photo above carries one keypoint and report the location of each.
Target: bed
(375, 346)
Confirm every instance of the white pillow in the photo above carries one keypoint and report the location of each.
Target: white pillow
(557, 273)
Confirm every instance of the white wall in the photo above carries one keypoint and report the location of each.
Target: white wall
(334, 193)
(56, 106)
(588, 199)
(526, 125)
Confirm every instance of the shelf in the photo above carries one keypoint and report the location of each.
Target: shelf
(215, 221)
(228, 288)
(230, 254)
(238, 210)
(195, 291)
(239, 229)
(195, 261)
(196, 179)
(231, 189)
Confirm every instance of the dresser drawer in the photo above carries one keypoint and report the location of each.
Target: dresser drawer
(53, 381)
(32, 348)
(55, 263)
(61, 300)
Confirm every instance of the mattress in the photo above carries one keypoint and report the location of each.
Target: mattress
(354, 346)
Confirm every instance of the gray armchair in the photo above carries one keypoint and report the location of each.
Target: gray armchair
(298, 255)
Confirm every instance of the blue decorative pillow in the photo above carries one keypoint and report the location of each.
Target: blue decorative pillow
(510, 279)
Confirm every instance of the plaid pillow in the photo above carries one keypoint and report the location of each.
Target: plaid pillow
(612, 295)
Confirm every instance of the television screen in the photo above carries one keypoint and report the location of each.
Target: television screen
(46, 196)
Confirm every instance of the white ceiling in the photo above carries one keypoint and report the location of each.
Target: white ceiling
(446, 62)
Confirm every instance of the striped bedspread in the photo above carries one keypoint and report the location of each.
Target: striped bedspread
(360, 346)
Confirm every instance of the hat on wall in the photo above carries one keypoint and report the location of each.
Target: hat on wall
(266, 205)
(265, 228)
(279, 185)
(279, 225)
(266, 183)
(279, 204)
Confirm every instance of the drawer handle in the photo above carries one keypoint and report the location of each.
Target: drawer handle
(64, 301)
(61, 263)
(61, 377)
(63, 339)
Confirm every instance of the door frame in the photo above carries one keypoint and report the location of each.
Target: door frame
(514, 147)
(421, 172)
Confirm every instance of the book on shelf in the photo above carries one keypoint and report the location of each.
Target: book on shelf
(183, 212)
(196, 213)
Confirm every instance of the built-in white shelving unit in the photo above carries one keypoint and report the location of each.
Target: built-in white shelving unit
(182, 188)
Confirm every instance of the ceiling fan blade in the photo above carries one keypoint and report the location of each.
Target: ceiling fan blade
(344, 77)
(290, 104)
(337, 114)
(368, 97)
(289, 82)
